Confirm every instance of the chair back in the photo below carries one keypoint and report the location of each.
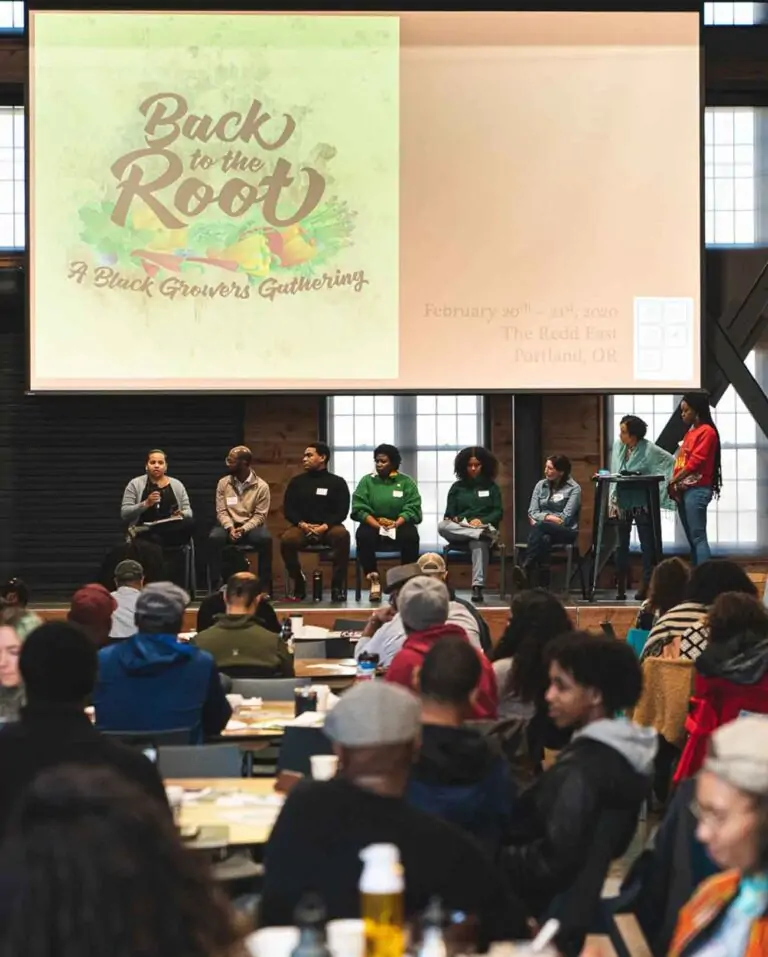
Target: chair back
(270, 689)
(327, 648)
(314, 648)
(152, 739)
(200, 761)
(297, 747)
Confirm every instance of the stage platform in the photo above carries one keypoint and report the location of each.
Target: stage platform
(585, 615)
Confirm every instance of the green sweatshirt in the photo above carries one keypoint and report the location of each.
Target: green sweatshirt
(239, 640)
(392, 497)
(475, 498)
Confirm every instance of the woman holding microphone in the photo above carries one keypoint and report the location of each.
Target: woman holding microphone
(157, 506)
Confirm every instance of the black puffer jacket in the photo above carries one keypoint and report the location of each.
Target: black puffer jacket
(603, 775)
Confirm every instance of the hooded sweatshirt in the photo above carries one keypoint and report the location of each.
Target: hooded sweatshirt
(462, 777)
(607, 767)
(413, 652)
(239, 640)
(731, 677)
(158, 683)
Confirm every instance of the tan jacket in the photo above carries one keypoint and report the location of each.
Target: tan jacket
(663, 705)
(245, 511)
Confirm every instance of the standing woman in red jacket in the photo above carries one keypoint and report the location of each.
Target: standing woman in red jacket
(697, 476)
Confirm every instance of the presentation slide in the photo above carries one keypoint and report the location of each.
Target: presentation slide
(360, 202)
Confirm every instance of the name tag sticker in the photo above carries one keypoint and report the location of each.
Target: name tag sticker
(232, 500)
(397, 493)
(483, 493)
(321, 491)
(558, 497)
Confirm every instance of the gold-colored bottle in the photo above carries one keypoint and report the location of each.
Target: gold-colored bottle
(382, 901)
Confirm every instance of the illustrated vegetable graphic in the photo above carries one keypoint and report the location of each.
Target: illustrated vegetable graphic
(251, 253)
(292, 246)
(163, 240)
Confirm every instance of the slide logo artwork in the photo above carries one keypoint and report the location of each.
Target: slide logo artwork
(210, 206)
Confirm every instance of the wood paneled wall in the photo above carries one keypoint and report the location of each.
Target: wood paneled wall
(572, 425)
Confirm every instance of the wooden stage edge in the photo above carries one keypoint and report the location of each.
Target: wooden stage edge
(586, 617)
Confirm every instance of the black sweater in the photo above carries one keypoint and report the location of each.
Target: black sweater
(320, 498)
(316, 843)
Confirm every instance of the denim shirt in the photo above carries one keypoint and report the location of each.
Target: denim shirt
(564, 501)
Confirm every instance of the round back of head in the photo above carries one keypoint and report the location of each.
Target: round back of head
(423, 603)
(160, 609)
(15, 592)
(433, 564)
(716, 576)
(242, 589)
(669, 582)
(735, 614)
(128, 572)
(374, 714)
(450, 671)
(58, 663)
(91, 608)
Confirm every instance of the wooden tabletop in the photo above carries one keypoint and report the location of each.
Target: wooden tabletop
(237, 823)
(337, 673)
(268, 721)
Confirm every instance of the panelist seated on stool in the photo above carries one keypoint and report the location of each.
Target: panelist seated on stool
(387, 504)
(242, 506)
(156, 506)
(316, 505)
(473, 511)
(554, 518)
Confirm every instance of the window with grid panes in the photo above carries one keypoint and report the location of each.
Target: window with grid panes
(11, 16)
(733, 14)
(730, 200)
(428, 429)
(12, 200)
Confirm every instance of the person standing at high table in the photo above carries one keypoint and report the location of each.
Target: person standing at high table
(697, 476)
(387, 504)
(632, 452)
(316, 504)
(473, 511)
(242, 506)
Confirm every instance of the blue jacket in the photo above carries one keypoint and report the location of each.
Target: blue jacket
(461, 777)
(564, 501)
(157, 683)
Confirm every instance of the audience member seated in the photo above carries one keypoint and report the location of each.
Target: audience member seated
(683, 630)
(91, 609)
(316, 505)
(58, 665)
(129, 580)
(92, 867)
(11, 688)
(668, 587)
(146, 553)
(384, 632)
(242, 506)
(460, 774)
(423, 603)
(154, 682)
(632, 452)
(460, 612)
(520, 664)
(473, 511)
(238, 642)
(731, 674)
(606, 767)
(316, 842)
(157, 506)
(16, 594)
(387, 504)
(233, 562)
(728, 914)
(554, 519)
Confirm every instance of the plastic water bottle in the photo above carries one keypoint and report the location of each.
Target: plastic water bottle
(381, 900)
(366, 666)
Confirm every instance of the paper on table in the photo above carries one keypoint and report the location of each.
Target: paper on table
(234, 725)
(309, 719)
(242, 799)
(330, 668)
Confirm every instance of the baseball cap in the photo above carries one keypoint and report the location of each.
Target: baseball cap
(160, 607)
(738, 754)
(400, 574)
(92, 607)
(128, 571)
(423, 602)
(374, 713)
(432, 564)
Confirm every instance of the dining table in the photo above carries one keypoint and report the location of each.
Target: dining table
(224, 812)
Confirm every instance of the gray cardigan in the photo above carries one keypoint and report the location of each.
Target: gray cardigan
(130, 510)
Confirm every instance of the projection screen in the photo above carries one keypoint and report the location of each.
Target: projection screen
(361, 202)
